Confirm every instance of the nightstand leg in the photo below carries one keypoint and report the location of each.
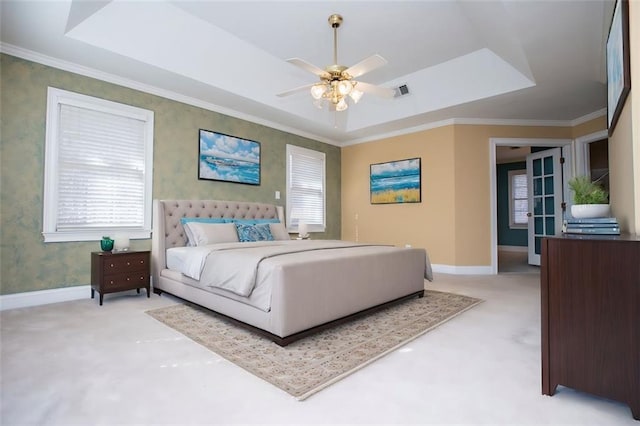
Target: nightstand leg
(92, 293)
(138, 290)
(148, 293)
(101, 296)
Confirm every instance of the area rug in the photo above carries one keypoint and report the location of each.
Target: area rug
(313, 363)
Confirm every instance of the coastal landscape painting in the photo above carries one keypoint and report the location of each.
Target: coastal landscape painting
(228, 158)
(396, 182)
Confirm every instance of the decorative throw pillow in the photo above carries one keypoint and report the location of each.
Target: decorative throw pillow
(187, 231)
(258, 232)
(279, 232)
(201, 234)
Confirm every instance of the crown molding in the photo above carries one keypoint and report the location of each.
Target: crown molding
(146, 88)
(136, 85)
(585, 118)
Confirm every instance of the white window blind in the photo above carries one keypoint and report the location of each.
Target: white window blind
(518, 194)
(98, 168)
(305, 188)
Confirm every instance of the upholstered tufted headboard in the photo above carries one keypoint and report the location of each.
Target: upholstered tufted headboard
(168, 231)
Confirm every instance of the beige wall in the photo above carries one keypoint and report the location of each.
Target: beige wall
(400, 224)
(591, 126)
(453, 221)
(624, 143)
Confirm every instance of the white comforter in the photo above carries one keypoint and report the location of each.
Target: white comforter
(233, 266)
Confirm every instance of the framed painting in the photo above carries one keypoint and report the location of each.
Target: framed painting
(228, 158)
(618, 63)
(396, 182)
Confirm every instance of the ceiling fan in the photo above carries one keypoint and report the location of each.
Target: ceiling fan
(337, 81)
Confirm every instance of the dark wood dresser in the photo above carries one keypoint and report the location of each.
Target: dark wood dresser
(113, 272)
(590, 292)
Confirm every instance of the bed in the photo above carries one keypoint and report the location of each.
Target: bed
(299, 287)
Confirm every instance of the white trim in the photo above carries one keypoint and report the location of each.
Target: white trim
(44, 297)
(146, 88)
(596, 114)
(511, 174)
(132, 84)
(461, 270)
(582, 151)
(493, 143)
(517, 249)
(57, 97)
(400, 132)
(299, 152)
(480, 122)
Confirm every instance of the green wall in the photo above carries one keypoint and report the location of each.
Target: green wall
(29, 264)
(506, 235)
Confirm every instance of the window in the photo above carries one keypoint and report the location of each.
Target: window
(305, 189)
(518, 199)
(98, 168)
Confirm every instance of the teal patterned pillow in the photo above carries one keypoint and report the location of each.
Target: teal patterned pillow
(259, 232)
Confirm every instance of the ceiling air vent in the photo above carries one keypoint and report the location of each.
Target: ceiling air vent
(401, 91)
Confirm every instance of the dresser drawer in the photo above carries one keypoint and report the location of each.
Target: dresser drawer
(117, 264)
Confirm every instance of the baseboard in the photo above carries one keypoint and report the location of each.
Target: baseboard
(462, 270)
(43, 297)
(519, 249)
(64, 294)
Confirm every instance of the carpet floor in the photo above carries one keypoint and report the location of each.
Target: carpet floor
(313, 363)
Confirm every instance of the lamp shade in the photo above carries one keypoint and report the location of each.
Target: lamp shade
(121, 242)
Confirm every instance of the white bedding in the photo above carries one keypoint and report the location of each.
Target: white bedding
(247, 269)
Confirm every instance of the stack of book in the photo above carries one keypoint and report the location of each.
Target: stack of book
(598, 226)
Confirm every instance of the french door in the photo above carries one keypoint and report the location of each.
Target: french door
(544, 180)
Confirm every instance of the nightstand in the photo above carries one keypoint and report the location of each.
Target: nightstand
(113, 272)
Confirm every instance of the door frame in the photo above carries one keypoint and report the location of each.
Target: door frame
(582, 151)
(493, 143)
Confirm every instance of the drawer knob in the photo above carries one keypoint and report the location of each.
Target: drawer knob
(128, 279)
(111, 265)
(128, 263)
(111, 281)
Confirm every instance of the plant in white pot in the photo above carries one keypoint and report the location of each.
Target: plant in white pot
(590, 199)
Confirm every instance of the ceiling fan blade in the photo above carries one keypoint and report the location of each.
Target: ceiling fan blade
(304, 88)
(308, 67)
(383, 92)
(366, 65)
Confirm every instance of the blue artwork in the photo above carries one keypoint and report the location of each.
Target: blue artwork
(228, 158)
(618, 66)
(396, 182)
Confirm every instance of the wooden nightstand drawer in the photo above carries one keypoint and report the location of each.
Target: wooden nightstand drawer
(112, 272)
(125, 263)
(125, 281)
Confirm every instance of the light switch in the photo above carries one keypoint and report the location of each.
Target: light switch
(277, 195)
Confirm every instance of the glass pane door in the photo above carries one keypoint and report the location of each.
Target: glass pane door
(544, 173)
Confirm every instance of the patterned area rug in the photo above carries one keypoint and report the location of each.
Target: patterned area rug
(313, 363)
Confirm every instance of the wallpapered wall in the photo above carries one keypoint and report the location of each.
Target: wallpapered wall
(26, 262)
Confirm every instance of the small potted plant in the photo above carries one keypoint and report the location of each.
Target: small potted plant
(590, 199)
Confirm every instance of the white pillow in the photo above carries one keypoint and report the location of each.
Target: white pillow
(201, 234)
(279, 232)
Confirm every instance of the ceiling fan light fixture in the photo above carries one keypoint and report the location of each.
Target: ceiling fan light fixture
(356, 95)
(344, 87)
(317, 90)
(337, 81)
